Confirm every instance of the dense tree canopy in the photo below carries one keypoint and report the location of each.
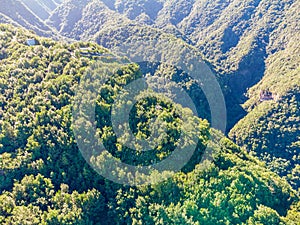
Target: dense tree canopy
(45, 180)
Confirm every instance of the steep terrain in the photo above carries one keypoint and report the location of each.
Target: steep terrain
(23, 14)
(45, 180)
(252, 44)
(272, 128)
(42, 8)
(252, 47)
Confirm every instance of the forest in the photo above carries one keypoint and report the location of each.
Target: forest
(252, 173)
(45, 176)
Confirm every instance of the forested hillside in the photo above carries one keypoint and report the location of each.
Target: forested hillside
(45, 180)
(249, 42)
(252, 49)
(271, 129)
(252, 45)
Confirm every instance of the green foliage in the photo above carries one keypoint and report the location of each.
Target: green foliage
(45, 180)
(274, 138)
(265, 215)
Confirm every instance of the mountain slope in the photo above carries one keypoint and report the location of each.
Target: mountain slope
(236, 37)
(271, 128)
(21, 14)
(42, 8)
(44, 178)
(255, 45)
(252, 46)
(65, 16)
(114, 31)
